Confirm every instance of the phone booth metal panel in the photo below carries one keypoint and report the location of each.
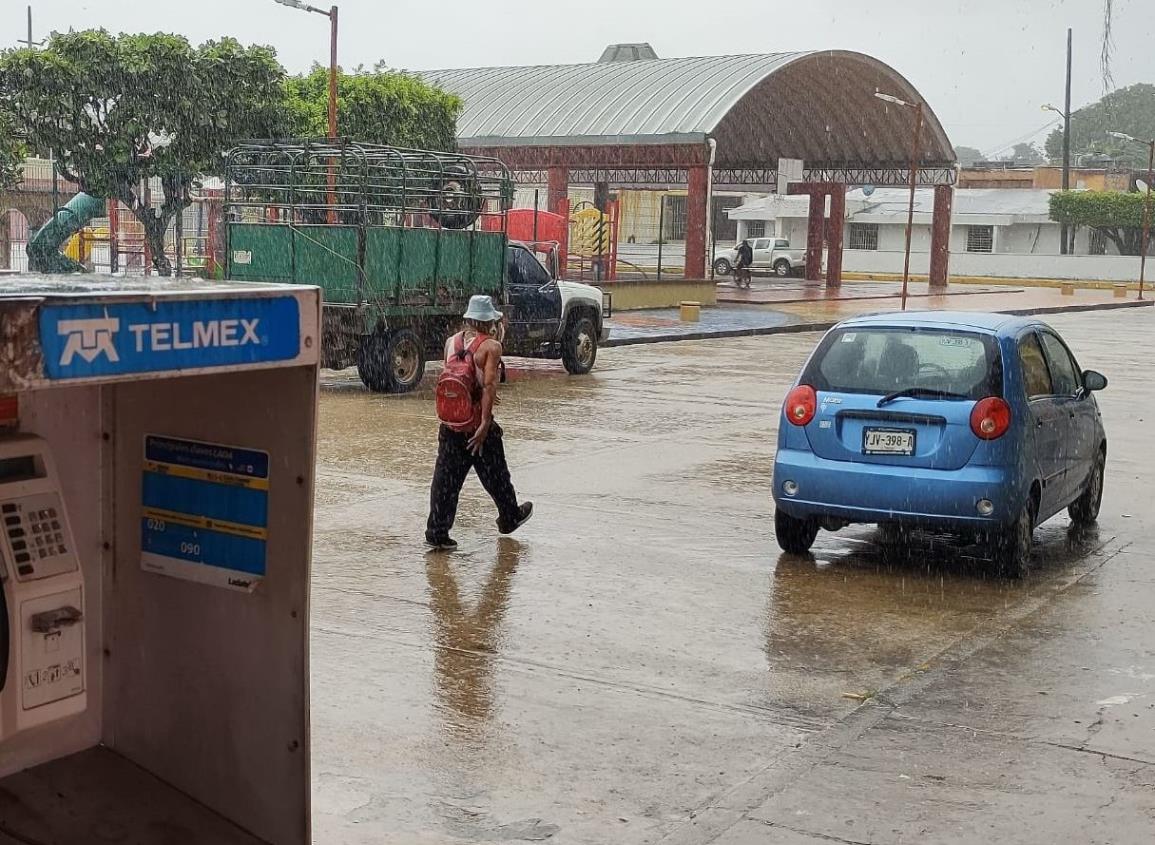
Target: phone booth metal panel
(156, 501)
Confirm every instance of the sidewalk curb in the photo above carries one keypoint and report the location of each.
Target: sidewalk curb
(724, 299)
(799, 328)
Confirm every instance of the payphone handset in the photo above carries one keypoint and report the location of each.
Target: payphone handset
(42, 615)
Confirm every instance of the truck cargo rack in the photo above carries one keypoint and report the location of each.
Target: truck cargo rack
(391, 228)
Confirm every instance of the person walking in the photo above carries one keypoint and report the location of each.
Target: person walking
(469, 437)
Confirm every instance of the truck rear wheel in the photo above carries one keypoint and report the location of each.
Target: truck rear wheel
(391, 362)
(579, 345)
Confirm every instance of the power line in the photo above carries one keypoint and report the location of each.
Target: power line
(1022, 138)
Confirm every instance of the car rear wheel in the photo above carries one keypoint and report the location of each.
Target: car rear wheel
(892, 534)
(1085, 509)
(1011, 546)
(723, 267)
(782, 268)
(795, 536)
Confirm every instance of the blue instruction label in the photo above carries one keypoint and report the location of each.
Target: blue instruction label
(205, 511)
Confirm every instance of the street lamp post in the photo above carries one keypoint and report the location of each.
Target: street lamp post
(1066, 115)
(1145, 239)
(913, 181)
(332, 16)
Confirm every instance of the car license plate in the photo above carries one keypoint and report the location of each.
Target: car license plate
(888, 441)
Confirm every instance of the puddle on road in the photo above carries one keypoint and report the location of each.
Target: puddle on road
(859, 610)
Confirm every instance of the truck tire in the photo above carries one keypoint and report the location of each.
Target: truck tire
(723, 267)
(406, 356)
(391, 362)
(371, 362)
(457, 204)
(579, 345)
(782, 268)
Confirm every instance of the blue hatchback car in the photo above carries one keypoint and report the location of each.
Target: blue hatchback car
(981, 424)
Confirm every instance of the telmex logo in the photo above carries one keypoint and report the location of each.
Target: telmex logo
(88, 339)
(92, 338)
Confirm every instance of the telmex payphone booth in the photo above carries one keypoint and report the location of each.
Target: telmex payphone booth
(156, 501)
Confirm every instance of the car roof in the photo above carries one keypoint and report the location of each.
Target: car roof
(1001, 324)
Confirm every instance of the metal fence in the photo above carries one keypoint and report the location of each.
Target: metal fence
(646, 230)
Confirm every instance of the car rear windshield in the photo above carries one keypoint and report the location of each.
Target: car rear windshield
(885, 359)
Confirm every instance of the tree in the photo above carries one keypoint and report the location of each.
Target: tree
(968, 156)
(1026, 155)
(11, 152)
(378, 107)
(1130, 110)
(118, 111)
(1119, 216)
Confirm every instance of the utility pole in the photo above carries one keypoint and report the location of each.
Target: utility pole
(1066, 246)
(28, 42)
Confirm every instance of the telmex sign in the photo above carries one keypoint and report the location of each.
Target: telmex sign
(92, 340)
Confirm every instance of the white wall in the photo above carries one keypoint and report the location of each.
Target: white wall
(1113, 268)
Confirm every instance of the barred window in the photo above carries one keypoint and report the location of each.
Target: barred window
(675, 217)
(980, 238)
(863, 236)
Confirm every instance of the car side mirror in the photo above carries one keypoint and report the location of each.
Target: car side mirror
(1093, 381)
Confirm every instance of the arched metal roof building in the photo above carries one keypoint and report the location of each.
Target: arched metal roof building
(704, 122)
(816, 106)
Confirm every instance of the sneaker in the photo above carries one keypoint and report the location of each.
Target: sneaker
(441, 544)
(523, 514)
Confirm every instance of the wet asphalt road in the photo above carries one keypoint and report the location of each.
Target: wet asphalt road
(641, 664)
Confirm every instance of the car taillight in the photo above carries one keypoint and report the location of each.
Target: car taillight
(990, 418)
(801, 403)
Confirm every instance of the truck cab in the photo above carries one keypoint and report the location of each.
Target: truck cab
(773, 254)
(547, 316)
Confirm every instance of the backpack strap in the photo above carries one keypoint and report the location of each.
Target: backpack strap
(477, 343)
(461, 351)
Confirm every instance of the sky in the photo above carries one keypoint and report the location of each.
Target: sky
(985, 66)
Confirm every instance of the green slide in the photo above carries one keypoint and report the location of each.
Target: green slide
(44, 255)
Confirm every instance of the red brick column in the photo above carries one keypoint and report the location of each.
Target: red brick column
(834, 236)
(696, 203)
(557, 201)
(940, 236)
(815, 220)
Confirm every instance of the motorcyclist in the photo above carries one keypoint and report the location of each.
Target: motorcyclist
(742, 266)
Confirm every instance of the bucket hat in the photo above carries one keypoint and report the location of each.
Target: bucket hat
(481, 309)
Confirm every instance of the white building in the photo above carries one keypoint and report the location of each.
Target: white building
(995, 232)
(984, 220)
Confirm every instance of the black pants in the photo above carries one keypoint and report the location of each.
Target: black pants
(453, 464)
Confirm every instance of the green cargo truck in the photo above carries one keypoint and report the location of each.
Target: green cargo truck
(398, 240)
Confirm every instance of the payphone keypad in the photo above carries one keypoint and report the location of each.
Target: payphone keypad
(36, 537)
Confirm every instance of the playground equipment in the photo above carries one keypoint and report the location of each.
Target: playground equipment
(44, 249)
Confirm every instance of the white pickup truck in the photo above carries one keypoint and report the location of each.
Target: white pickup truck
(773, 254)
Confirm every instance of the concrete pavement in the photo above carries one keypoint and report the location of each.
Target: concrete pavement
(789, 307)
(641, 665)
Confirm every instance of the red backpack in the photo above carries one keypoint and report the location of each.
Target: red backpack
(458, 393)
